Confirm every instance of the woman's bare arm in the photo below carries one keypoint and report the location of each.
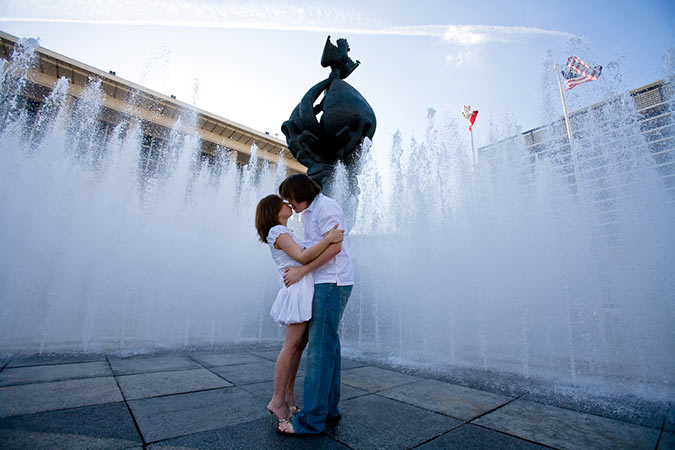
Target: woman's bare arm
(294, 274)
(286, 243)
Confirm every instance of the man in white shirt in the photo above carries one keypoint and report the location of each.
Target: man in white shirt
(333, 282)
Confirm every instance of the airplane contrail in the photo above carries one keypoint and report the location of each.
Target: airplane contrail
(255, 16)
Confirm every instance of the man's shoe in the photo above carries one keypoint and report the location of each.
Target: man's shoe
(331, 421)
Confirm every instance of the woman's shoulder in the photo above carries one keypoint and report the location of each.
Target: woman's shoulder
(275, 232)
(280, 228)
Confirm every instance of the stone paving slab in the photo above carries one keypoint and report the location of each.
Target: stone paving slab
(472, 437)
(107, 426)
(352, 364)
(225, 359)
(273, 354)
(172, 416)
(631, 409)
(373, 379)
(567, 429)
(256, 434)
(54, 358)
(265, 390)
(372, 421)
(57, 372)
(667, 441)
(248, 373)
(347, 392)
(40, 397)
(456, 401)
(670, 420)
(154, 384)
(145, 364)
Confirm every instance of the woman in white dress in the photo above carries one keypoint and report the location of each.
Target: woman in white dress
(293, 305)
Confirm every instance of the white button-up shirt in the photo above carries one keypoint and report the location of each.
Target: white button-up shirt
(319, 218)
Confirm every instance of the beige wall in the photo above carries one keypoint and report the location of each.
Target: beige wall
(161, 111)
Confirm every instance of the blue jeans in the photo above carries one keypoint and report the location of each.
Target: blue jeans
(322, 376)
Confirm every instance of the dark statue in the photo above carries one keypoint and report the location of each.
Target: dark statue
(347, 119)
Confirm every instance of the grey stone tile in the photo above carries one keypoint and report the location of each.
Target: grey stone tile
(373, 379)
(167, 417)
(248, 373)
(347, 392)
(144, 364)
(667, 441)
(225, 359)
(265, 390)
(567, 429)
(56, 372)
(256, 434)
(471, 437)
(372, 421)
(153, 384)
(626, 408)
(54, 358)
(273, 354)
(456, 401)
(33, 398)
(352, 364)
(107, 426)
(270, 355)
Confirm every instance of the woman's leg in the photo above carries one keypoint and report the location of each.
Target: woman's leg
(295, 363)
(283, 367)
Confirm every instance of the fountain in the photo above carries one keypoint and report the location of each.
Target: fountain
(504, 267)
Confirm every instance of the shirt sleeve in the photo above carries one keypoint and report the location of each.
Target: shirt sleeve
(275, 232)
(332, 215)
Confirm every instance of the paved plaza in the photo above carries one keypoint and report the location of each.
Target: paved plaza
(216, 400)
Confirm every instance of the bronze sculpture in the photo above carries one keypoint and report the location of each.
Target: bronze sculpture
(346, 119)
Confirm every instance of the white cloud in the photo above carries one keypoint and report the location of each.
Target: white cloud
(461, 58)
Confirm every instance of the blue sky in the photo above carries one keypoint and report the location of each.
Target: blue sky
(251, 61)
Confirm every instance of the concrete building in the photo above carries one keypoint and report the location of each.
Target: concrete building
(642, 119)
(157, 112)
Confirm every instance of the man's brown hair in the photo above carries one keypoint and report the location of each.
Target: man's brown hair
(299, 188)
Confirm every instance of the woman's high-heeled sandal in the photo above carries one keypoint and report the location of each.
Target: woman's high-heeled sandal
(286, 427)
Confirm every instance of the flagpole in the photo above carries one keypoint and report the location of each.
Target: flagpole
(471, 117)
(564, 105)
(473, 153)
(575, 163)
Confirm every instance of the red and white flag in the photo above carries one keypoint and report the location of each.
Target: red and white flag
(470, 115)
(579, 72)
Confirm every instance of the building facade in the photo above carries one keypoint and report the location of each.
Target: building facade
(640, 120)
(158, 114)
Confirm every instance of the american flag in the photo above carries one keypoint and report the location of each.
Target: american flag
(579, 72)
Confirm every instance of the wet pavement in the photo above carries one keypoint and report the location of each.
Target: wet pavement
(217, 399)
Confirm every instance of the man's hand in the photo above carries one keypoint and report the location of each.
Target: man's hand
(292, 275)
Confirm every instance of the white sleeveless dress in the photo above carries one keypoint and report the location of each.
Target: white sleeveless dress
(294, 303)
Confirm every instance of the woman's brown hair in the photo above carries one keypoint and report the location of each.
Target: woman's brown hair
(267, 215)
